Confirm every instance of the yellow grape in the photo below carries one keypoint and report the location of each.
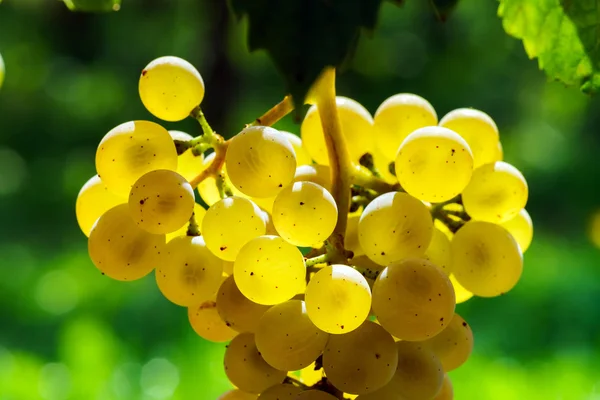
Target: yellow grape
(304, 214)
(487, 259)
(395, 226)
(309, 375)
(270, 228)
(439, 252)
(132, 149)
(478, 129)
(361, 361)
(286, 337)
(207, 189)
(199, 212)
(188, 165)
(189, 271)
(206, 322)
(338, 299)
(439, 225)
(302, 156)
(93, 200)
(496, 193)
(357, 128)
(413, 299)
(120, 249)
(521, 228)
(237, 394)
(260, 161)
(453, 345)
(268, 270)
(460, 292)
(383, 165)
(161, 201)
(397, 117)
(236, 310)
(170, 88)
(499, 152)
(315, 173)
(434, 164)
(228, 267)
(351, 239)
(282, 391)
(231, 223)
(419, 375)
(245, 367)
(446, 392)
(315, 395)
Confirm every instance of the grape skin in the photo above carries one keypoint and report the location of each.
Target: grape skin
(120, 249)
(413, 299)
(319, 174)
(189, 272)
(131, 150)
(446, 392)
(199, 212)
(302, 156)
(245, 367)
(395, 226)
(453, 345)
(188, 165)
(161, 201)
(237, 394)
(269, 270)
(93, 200)
(460, 292)
(236, 310)
(260, 161)
(439, 251)
(283, 391)
(206, 322)
(521, 228)
(170, 88)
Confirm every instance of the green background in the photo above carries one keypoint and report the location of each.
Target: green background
(66, 332)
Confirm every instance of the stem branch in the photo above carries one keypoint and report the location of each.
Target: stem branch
(280, 110)
(323, 258)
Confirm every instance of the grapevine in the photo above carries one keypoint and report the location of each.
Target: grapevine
(331, 263)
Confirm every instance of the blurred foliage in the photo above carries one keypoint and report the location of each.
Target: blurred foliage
(93, 5)
(66, 332)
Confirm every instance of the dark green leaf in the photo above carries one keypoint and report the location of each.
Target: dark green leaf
(93, 5)
(443, 8)
(303, 36)
(563, 35)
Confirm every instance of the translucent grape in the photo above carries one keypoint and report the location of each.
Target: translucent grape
(260, 161)
(357, 127)
(397, 117)
(439, 252)
(304, 214)
(419, 375)
(385, 167)
(521, 228)
(286, 337)
(460, 292)
(269, 270)
(245, 367)
(282, 391)
(446, 392)
(131, 150)
(189, 272)
(170, 88)
(478, 129)
(302, 156)
(496, 193)
(120, 249)
(93, 200)
(486, 258)
(231, 223)
(236, 310)
(315, 173)
(395, 226)
(188, 165)
(499, 153)
(207, 189)
(361, 361)
(338, 299)
(309, 375)
(237, 394)
(315, 395)
(453, 345)
(413, 299)
(199, 212)
(434, 164)
(351, 239)
(206, 322)
(161, 201)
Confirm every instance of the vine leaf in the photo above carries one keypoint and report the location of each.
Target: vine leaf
(93, 5)
(304, 36)
(564, 35)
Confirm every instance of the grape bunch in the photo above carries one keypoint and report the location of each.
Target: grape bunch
(328, 279)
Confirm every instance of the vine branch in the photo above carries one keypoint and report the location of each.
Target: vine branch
(280, 110)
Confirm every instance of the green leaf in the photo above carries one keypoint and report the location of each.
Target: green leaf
(93, 5)
(564, 35)
(443, 8)
(304, 36)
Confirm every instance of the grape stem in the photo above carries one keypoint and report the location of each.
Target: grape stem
(295, 382)
(280, 110)
(193, 228)
(217, 164)
(361, 176)
(199, 116)
(322, 259)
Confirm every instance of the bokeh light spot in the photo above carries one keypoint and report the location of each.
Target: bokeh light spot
(159, 378)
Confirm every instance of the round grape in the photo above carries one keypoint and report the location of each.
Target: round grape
(188, 165)
(206, 322)
(521, 228)
(319, 174)
(236, 310)
(453, 345)
(302, 156)
(439, 251)
(282, 391)
(93, 200)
